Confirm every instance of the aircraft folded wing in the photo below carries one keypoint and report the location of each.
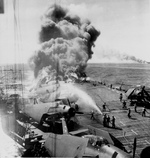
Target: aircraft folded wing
(66, 145)
(80, 149)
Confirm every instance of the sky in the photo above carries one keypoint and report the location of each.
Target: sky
(124, 27)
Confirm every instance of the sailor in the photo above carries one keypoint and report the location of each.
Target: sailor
(113, 121)
(124, 104)
(35, 101)
(121, 96)
(92, 115)
(108, 120)
(135, 108)
(104, 120)
(144, 112)
(129, 113)
(104, 107)
(111, 86)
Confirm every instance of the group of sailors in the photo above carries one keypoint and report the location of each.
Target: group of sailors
(107, 121)
(106, 118)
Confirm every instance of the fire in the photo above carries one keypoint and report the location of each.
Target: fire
(66, 43)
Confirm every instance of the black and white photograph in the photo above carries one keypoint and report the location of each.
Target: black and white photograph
(75, 78)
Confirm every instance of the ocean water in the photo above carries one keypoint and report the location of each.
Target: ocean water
(116, 74)
(8, 147)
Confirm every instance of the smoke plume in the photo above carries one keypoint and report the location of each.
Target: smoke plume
(66, 42)
(114, 56)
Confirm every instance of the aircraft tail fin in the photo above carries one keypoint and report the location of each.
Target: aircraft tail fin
(64, 126)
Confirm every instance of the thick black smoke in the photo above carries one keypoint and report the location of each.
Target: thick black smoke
(66, 42)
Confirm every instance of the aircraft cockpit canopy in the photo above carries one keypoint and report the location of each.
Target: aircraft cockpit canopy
(96, 141)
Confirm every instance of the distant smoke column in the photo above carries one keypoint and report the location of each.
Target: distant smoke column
(66, 42)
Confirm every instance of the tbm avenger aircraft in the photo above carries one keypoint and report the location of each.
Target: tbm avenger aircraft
(81, 144)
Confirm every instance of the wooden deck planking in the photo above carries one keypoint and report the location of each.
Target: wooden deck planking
(137, 126)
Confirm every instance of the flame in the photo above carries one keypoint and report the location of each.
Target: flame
(66, 43)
